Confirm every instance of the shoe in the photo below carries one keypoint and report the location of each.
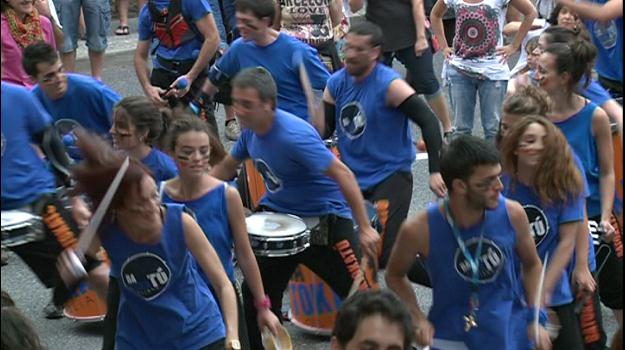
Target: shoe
(5, 258)
(448, 135)
(52, 311)
(232, 130)
(122, 30)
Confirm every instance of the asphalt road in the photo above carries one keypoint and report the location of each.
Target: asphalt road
(64, 334)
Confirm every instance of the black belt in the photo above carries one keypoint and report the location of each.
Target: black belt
(178, 66)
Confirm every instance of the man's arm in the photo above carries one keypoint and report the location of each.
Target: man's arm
(142, 53)
(207, 27)
(418, 14)
(413, 239)
(336, 12)
(349, 187)
(356, 5)
(612, 9)
(226, 170)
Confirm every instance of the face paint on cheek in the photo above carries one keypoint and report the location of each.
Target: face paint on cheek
(183, 161)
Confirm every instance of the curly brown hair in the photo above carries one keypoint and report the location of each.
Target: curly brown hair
(557, 179)
(94, 174)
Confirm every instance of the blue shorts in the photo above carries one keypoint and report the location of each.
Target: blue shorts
(97, 20)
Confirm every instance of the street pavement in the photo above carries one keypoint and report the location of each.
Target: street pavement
(65, 334)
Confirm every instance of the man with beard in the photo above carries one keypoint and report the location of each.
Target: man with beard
(479, 242)
(369, 106)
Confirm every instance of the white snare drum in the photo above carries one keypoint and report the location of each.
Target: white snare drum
(275, 234)
(20, 227)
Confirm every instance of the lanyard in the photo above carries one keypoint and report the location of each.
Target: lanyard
(474, 261)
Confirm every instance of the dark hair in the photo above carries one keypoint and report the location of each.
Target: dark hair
(18, 332)
(557, 178)
(98, 168)
(39, 52)
(371, 29)
(463, 154)
(531, 44)
(575, 58)
(260, 8)
(6, 299)
(144, 115)
(527, 100)
(369, 303)
(558, 34)
(193, 123)
(259, 79)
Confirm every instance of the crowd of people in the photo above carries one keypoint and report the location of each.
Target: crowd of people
(138, 197)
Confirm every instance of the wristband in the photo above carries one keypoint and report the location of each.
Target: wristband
(531, 316)
(264, 304)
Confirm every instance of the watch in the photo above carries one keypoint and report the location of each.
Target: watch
(234, 345)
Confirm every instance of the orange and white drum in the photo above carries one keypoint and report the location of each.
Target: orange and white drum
(85, 305)
(313, 303)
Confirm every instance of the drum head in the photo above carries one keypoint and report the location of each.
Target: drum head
(274, 225)
(11, 218)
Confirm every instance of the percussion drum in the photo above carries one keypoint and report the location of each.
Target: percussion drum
(20, 227)
(276, 235)
(85, 305)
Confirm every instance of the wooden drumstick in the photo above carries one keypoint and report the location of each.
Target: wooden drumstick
(313, 110)
(537, 302)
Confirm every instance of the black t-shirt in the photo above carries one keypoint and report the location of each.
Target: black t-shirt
(395, 19)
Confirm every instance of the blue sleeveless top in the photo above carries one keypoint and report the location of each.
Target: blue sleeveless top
(211, 211)
(450, 274)
(578, 131)
(374, 139)
(164, 303)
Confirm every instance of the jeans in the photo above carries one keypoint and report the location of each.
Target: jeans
(97, 21)
(462, 93)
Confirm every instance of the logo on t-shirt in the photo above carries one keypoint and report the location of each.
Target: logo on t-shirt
(353, 120)
(491, 261)
(272, 182)
(539, 224)
(146, 274)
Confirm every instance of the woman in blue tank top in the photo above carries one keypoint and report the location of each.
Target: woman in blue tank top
(541, 174)
(164, 304)
(217, 206)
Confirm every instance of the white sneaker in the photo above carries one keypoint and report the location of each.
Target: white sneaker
(232, 130)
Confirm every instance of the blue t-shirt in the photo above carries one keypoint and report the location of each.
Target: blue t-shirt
(211, 213)
(374, 139)
(578, 131)
(192, 10)
(278, 59)
(451, 275)
(87, 101)
(608, 38)
(25, 176)
(594, 92)
(293, 160)
(545, 221)
(162, 166)
(164, 303)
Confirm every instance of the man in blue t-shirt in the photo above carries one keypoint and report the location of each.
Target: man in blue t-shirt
(302, 177)
(183, 38)
(29, 186)
(370, 107)
(262, 46)
(474, 243)
(77, 97)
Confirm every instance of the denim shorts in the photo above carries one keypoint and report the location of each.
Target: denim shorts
(97, 20)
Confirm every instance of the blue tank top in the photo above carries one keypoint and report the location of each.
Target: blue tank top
(545, 221)
(450, 274)
(164, 304)
(578, 131)
(211, 211)
(374, 139)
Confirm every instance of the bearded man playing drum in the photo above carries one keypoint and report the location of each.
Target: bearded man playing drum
(28, 189)
(303, 178)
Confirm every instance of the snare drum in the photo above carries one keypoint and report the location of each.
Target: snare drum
(275, 234)
(85, 305)
(20, 227)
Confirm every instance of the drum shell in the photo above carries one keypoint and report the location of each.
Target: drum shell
(30, 229)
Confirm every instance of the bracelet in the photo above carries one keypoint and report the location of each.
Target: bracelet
(531, 316)
(264, 304)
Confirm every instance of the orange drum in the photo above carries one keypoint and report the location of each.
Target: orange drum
(313, 303)
(618, 172)
(85, 305)
(255, 183)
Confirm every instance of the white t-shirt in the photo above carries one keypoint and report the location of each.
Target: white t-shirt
(478, 34)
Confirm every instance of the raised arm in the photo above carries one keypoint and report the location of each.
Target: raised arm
(612, 9)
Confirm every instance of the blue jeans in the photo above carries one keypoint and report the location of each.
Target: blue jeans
(462, 93)
(97, 20)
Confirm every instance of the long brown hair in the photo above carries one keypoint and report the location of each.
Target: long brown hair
(99, 166)
(557, 178)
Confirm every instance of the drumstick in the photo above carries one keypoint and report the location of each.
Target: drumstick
(86, 236)
(539, 293)
(306, 85)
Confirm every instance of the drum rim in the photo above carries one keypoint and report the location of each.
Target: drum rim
(288, 238)
(28, 217)
(280, 253)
